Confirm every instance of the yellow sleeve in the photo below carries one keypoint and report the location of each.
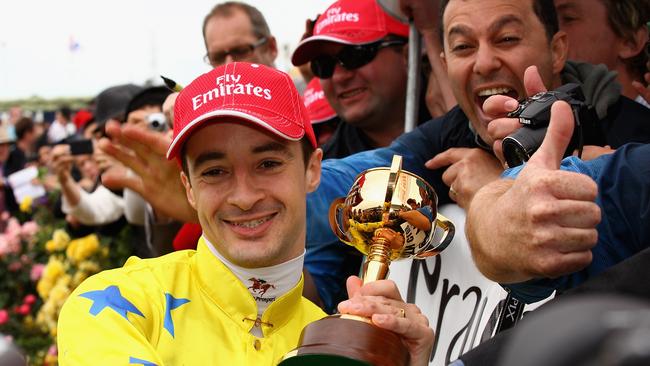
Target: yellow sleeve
(109, 320)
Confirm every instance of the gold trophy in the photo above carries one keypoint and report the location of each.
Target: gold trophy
(388, 214)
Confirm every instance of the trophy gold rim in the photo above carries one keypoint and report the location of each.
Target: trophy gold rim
(435, 195)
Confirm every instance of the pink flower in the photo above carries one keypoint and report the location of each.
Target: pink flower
(13, 227)
(29, 299)
(4, 316)
(24, 259)
(4, 216)
(29, 229)
(15, 266)
(36, 272)
(23, 309)
(53, 350)
(4, 245)
(9, 244)
(13, 242)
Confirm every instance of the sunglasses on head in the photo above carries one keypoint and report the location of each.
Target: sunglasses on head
(350, 57)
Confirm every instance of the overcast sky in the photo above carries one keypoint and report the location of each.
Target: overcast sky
(119, 41)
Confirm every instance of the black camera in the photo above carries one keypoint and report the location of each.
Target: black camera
(157, 122)
(534, 114)
(80, 147)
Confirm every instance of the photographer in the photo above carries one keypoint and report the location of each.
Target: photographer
(457, 148)
(101, 206)
(145, 111)
(553, 213)
(569, 239)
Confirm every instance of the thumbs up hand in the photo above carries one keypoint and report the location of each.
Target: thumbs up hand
(541, 224)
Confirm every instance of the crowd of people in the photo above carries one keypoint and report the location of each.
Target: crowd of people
(227, 183)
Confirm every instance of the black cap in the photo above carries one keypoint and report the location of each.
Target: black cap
(154, 95)
(112, 102)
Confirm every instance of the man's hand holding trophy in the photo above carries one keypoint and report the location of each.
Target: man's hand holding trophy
(388, 214)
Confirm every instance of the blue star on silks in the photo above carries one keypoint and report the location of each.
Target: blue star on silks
(171, 303)
(111, 298)
(137, 361)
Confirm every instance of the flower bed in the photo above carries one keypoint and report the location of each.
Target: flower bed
(40, 265)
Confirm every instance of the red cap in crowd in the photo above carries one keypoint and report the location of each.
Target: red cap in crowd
(249, 92)
(352, 22)
(81, 118)
(318, 107)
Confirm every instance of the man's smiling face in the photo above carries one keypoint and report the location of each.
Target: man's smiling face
(372, 95)
(249, 188)
(488, 44)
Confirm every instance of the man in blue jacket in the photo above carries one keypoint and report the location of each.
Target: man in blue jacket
(487, 47)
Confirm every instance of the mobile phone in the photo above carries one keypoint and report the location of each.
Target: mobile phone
(81, 147)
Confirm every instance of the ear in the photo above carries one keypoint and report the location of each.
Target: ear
(189, 193)
(272, 45)
(443, 60)
(405, 54)
(559, 51)
(632, 46)
(313, 172)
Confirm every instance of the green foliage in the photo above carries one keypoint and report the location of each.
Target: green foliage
(36, 103)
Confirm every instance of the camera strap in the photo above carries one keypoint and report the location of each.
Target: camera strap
(512, 311)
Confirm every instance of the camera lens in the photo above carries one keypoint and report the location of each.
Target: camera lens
(522, 144)
(157, 122)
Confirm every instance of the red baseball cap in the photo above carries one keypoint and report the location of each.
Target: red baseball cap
(249, 92)
(318, 107)
(352, 22)
(82, 117)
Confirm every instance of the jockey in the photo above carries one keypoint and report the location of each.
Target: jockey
(249, 158)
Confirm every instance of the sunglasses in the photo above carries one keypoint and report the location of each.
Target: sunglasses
(237, 53)
(350, 57)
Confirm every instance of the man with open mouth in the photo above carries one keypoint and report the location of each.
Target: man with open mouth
(488, 45)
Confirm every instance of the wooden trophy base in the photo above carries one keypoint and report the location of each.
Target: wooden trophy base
(347, 340)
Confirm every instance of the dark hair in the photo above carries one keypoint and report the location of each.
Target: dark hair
(65, 112)
(153, 96)
(23, 126)
(625, 18)
(227, 9)
(544, 9)
(305, 144)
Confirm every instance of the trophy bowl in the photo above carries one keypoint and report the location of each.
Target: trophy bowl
(388, 214)
(394, 205)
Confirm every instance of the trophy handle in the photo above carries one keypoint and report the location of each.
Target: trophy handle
(449, 230)
(335, 209)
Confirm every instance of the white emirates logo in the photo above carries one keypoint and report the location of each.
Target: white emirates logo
(334, 15)
(229, 84)
(312, 96)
